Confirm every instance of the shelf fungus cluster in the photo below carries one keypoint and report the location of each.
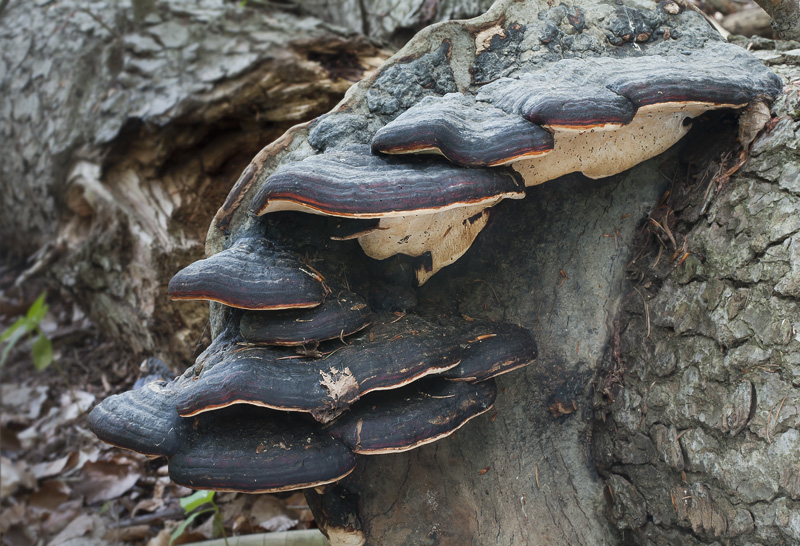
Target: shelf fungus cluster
(595, 116)
(302, 376)
(256, 414)
(440, 135)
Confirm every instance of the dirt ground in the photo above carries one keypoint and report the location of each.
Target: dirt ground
(60, 484)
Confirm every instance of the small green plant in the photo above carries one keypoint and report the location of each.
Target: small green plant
(193, 506)
(28, 325)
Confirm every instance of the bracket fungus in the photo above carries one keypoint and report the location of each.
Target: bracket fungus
(143, 420)
(206, 424)
(488, 355)
(598, 115)
(467, 133)
(603, 115)
(519, 96)
(409, 418)
(391, 354)
(259, 453)
(342, 314)
(352, 183)
(251, 274)
(423, 205)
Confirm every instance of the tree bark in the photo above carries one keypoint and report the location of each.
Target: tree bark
(125, 129)
(785, 17)
(553, 262)
(697, 432)
(391, 21)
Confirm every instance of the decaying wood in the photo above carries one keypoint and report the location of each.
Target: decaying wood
(126, 127)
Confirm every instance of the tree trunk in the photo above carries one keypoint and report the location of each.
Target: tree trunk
(125, 129)
(785, 17)
(554, 262)
(697, 433)
(119, 172)
(391, 21)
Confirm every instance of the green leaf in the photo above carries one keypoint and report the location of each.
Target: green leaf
(37, 311)
(17, 331)
(218, 526)
(21, 322)
(198, 498)
(42, 352)
(186, 523)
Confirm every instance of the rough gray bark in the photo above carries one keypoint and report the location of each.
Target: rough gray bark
(125, 128)
(392, 21)
(785, 17)
(697, 434)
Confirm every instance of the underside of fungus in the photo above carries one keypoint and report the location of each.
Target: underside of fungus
(423, 205)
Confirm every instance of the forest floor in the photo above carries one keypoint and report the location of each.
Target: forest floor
(59, 483)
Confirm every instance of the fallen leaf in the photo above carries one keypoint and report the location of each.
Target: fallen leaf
(161, 539)
(74, 403)
(265, 508)
(206, 529)
(106, 480)
(59, 519)
(73, 459)
(279, 523)
(241, 524)
(28, 437)
(79, 459)
(127, 534)
(22, 404)
(78, 527)
(18, 535)
(9, 440)
(483, 471)
(147, 505)
(49, 468)
(231, 508)
(298, 507)
(50, 496)
(11, 516)
(13, 476)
